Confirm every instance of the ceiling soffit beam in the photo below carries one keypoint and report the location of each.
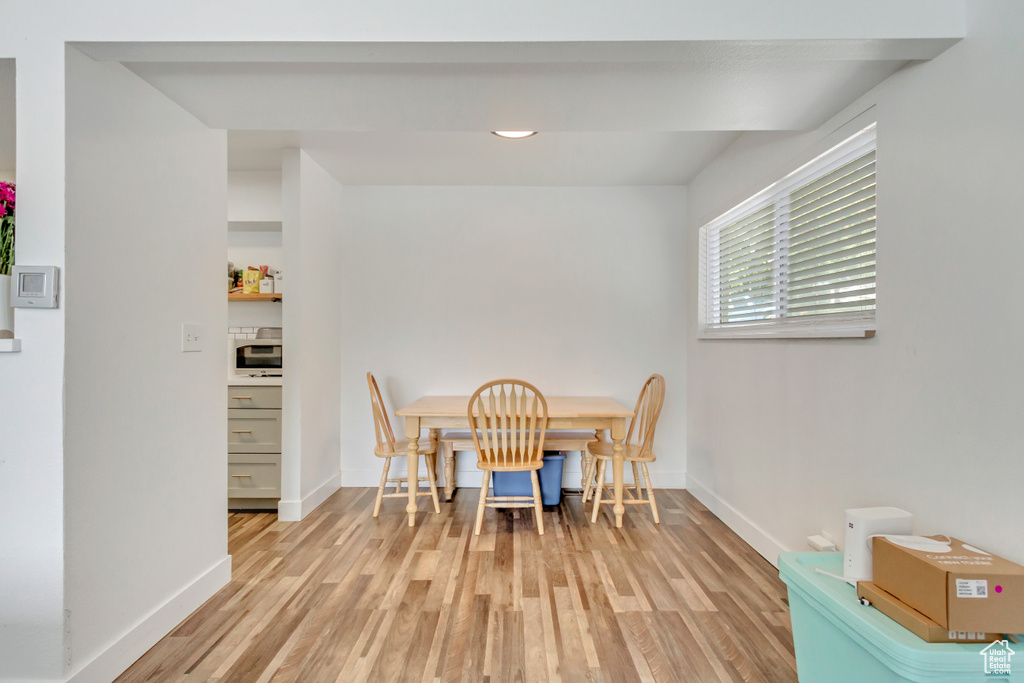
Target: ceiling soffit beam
(870, 49)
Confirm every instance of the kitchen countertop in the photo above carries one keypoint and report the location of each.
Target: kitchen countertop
(237, 381)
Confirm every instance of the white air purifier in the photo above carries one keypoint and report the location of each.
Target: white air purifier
(861, 525)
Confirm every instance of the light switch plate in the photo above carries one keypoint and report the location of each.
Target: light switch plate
(191, 337)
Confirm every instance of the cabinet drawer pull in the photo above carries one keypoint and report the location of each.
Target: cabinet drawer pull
(241, 475)
(242, 398)
(241, 431)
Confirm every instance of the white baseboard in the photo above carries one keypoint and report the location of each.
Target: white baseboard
(110, 663)
(471, 478)
(360, 478)
(759, 539)
(665, 480)
(371, 478)
(296, 510)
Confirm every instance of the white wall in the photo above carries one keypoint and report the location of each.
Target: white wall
(578, 290)
(255, 249)
(145, 427)
(8, 136)
(783, 436)
(254, 196)
(312, 234)
(32, 399)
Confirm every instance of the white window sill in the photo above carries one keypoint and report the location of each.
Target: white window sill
(848, 333)
(10, 345)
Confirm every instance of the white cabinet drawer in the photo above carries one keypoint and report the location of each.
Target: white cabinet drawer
(254, 475)
(254, 397)
(254, 431)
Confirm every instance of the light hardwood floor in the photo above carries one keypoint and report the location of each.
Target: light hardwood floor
(344, 597)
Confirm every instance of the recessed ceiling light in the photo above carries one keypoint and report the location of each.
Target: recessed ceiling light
(514, 134)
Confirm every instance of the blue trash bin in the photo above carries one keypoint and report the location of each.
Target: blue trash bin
(518, 483)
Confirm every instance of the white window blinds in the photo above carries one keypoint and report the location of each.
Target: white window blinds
(799, 256)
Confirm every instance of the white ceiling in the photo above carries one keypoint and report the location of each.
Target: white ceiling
(609, 113)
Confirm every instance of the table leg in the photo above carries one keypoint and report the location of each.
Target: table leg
(449, 469)
(412, 433)
(618, 435)
(586, 462)
(589, 463)
(432, 469)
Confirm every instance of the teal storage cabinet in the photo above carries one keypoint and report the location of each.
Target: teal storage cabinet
(838, 640)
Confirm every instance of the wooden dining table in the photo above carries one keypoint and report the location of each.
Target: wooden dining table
(599, 413)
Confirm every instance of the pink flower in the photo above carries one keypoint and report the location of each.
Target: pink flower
(7, 199)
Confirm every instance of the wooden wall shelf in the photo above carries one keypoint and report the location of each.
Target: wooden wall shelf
(239, 296)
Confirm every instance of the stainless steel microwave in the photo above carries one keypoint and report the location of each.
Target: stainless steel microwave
(259, 358)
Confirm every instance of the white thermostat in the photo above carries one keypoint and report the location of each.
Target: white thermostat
(34, 287)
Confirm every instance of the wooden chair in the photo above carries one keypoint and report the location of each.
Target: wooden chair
(388, 447)
(638, 449)
(508, 419)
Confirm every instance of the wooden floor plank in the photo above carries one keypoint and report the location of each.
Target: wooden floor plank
(344, 597)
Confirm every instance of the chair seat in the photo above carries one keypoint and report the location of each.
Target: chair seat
(549, 435)
(604, 450)
(424, 447)
(495, 467)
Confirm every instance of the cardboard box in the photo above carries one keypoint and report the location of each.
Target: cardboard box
(956, 585)
(912, 620)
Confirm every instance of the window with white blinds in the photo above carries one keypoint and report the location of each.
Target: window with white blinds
(798, 258)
